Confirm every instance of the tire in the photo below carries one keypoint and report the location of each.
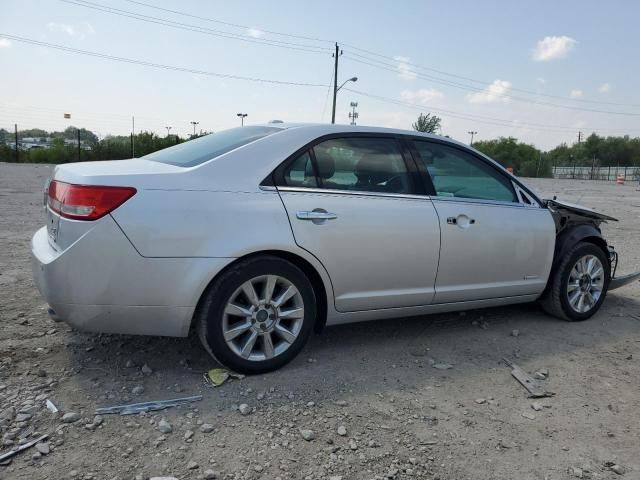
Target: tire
(557, 300)
(238, 303)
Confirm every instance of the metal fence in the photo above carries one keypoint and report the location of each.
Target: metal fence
(597, 173)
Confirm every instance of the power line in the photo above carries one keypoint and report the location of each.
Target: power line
(379, 55)
(208, 19)
(393, 68)
(194, 28)
(482, 82)
(155, 65)
(476, 118)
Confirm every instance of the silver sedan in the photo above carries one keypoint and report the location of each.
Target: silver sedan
(257, 236)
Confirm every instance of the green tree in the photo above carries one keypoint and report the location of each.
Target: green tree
(427, 123)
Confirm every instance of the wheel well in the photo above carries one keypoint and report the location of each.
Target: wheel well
(302, 264)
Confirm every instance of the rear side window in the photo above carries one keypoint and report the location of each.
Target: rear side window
(362, 164)
(300, 173)
(195, 152)
(455, 173)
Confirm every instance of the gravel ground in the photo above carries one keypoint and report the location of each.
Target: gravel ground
(368, 392)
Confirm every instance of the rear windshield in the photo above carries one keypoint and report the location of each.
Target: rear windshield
(195, 152)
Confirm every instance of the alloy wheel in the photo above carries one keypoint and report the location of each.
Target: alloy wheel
(585, 284)
(263, 317)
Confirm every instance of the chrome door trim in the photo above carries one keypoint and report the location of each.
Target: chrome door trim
(330, 191)
(496, 203)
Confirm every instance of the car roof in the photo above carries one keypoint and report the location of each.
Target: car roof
(321, 129)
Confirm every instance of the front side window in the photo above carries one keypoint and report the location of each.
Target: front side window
(200, 150)
(361, 164)
(455, 173)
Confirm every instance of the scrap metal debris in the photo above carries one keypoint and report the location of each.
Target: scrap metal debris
(152, 406)
(217, 376)
(11, 453)
(51, 406)
(533, 386)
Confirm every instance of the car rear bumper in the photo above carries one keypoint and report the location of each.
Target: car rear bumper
(100, 283)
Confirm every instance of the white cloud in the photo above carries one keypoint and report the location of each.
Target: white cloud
(553, 48)
(575, 93)
(255, 33)
(62, 27)
(541, 80)
(493, 93)
(604, 88)
(80, 32)
(421, 96)
(405, 71)
(5, 43)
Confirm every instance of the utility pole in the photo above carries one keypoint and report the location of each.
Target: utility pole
(242, 115)
(168, 130)
(78, 130)
(335, 82)
(353, 115)
(472, 133)
(17, 154)
(194, 127)
(133, 131)
(579, 136)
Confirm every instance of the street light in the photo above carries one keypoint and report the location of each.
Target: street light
(194, 127)
(242, 115)
(472, 133)
(168, 130)
(335, 93)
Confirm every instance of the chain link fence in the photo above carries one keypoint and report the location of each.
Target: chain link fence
(597, 173)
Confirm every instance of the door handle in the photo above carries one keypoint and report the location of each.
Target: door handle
(461, 221)
(315, 215)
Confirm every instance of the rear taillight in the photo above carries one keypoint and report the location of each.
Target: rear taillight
(86, 202)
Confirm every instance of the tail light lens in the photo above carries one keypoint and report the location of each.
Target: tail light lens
(86, 202)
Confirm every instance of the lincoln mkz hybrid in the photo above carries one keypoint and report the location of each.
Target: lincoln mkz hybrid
(257, 236)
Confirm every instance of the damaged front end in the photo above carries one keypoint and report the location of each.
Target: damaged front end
(575, 223)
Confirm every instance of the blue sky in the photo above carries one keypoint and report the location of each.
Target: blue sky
(539, 71)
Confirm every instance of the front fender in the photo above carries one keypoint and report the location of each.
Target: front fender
(568, 237)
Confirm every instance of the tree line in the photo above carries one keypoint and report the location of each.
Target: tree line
(112, 147)
(525, 159)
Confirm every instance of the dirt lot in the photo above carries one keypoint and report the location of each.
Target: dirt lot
(403, 418)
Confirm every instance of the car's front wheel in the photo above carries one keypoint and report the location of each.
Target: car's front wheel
(579, 285)
(257, 315)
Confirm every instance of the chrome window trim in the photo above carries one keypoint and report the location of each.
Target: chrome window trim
(521, 192)
(355, 193)
(496, 203)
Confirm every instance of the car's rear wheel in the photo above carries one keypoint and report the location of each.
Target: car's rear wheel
(579, 284)
(257, 315)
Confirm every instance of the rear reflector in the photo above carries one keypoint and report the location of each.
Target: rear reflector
(86, 202)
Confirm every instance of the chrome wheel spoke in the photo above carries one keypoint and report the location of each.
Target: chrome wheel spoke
(285, 296)
(573, 299)
(237, 330)
(249, 344)
(291, 313)
(572, 286)
(237, 310)
(269, 287)
(250, 292)
(597, 274)
(267, 345)
(285, 334)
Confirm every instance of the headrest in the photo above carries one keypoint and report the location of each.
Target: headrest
(372, 169)
(325, 162)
